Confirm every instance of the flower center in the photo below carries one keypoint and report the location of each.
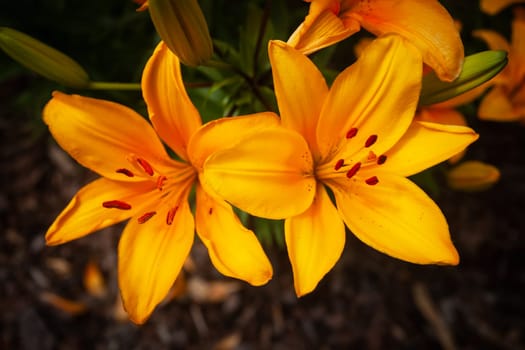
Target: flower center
(167, 185)
(350, 168)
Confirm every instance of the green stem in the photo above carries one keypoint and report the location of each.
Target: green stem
(249, 80)
(105, 85)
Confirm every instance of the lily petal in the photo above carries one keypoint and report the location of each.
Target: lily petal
(85, 213)
(386, 105)
(427, 24)
(426, 144)
(492, 7)
(321, 28)
(171, 111)
(234, 250)
(102, 135)
(225, 132)
(315, 240)
(447, 116)
(151, 256)
(397, 218)
(262, 172)
(300, 89)
(494, 40)
(497, 106)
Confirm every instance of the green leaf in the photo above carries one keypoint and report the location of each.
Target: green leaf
(477, 69)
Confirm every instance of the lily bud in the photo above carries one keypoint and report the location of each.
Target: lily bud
(477, 69)
(473, 176)
(42, 59)
(182, 26)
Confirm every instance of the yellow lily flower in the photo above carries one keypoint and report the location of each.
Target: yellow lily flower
(506, 100)
(492, 7)
(357, 139)
(427, 24)
(142, 183)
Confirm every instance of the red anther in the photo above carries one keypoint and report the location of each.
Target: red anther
(126, 172)
(371, 140)
(171, 215)
(372, 181)
(351, 133)
(210, 211)
(381, 159)
(353, 170)
(146, 166)
(160, 182)
(146, 217)
(339, 164)
(117, 205)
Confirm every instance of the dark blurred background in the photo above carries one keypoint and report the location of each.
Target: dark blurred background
(66, 297)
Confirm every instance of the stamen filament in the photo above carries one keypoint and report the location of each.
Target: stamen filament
(146, 166)
(160, 182)
(171, 215)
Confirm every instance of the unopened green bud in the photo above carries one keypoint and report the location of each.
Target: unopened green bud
(477, 69)
(42, 59)
(182, 26)
(472, 176)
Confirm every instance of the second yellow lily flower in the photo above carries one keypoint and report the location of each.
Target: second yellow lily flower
(356, 140)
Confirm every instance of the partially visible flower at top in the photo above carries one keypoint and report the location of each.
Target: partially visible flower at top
(142, 183)
(492, 7)
(426, 23)
(506, 100)
(182, 26)
(359, 140)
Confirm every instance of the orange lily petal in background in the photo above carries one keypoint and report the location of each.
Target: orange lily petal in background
(506, 101)
(472, 176)
(492, 7)
(322, 27)
(427, 24)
